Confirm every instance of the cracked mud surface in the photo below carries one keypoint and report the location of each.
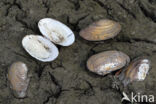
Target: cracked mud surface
(67, 80)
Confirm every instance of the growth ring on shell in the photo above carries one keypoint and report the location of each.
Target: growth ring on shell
(18, 80)
(136, 71)
(106, 62)
(101, 30)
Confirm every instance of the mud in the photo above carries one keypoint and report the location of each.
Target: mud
(67, 80)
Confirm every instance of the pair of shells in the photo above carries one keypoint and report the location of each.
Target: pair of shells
(109, 61)
(18, 80)
(42, 48)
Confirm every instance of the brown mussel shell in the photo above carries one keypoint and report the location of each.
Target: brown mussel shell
(101, 30)
(136, 71)
(106, 62)
(18, 80)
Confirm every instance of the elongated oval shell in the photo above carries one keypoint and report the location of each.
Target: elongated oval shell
(56, 31)
(106, 62)
(136, 71)
(17, 76)
(101, 30)
(40, 48)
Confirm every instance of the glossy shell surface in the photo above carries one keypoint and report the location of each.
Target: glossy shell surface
(18, 80)
(56, 31)
(40, 48)
(136, 71)
(106, 62)
(101, 30)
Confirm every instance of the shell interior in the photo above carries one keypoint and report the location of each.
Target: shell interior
(40, 48)
(56, 31)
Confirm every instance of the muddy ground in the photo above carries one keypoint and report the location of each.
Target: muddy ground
(67, 80)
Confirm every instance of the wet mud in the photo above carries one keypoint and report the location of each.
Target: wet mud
(67, 80)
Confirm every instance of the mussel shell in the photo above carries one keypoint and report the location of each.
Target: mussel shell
(18, 80)
(56, 31)
(106, 62)
(101, 30)
(136, 71)
(40, 48)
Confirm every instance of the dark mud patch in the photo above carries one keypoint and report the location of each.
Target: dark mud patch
(67, 80)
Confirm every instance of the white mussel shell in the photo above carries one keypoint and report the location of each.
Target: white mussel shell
(40, 48)
(56, 31)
